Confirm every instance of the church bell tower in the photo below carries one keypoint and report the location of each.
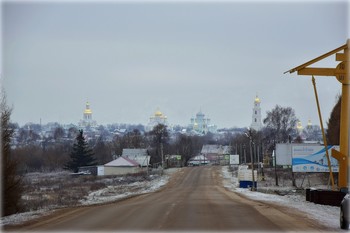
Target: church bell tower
(256, 117)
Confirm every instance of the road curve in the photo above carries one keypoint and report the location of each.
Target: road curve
(194, 200)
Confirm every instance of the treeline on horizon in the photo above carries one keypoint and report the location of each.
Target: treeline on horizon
(279, 127)
(52, 153)
(52, 156)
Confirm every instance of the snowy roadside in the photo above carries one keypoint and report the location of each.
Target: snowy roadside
(109, 194)
(325, 215)
(112, 193)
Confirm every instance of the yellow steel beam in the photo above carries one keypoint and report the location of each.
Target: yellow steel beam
(317, 71)
(340, 56)
(345, 119)
(317, 59)
(343, 163)
(323, 134)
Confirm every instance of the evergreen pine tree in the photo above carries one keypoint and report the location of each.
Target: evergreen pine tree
(333, 124)
(81, 154)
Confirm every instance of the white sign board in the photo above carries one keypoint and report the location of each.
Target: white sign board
(247, 175)
(100, 170)
(234, 159)
(313, 159)
(284, 154)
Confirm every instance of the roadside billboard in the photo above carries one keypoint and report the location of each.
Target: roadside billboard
(284, 152)
(307, 158)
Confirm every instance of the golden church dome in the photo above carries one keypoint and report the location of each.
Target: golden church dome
(87, 109)
(309, 123)
(299, 125)
(158, 113)
(257, 99)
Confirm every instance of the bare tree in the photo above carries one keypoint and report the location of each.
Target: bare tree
(72, 132)
(132, 139)
(280, 127)
(280, 123)
(58, 133)
(160, 137)
(184, 145)
(102, 152)
(12, 182)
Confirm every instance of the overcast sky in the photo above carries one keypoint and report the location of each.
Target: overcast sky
(128, 59)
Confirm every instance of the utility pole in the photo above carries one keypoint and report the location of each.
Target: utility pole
(161, 154)
(275, 165)
(252, 162)
(248, 135)
(245, 158)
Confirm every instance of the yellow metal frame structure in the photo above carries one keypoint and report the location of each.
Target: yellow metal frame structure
(323, 134)
(341, 72)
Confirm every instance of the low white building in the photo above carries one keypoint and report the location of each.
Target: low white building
(217, 154)
(198, 160)
(130, 162)
(122, 166)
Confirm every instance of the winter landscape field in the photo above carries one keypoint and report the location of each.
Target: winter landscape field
(48, 192)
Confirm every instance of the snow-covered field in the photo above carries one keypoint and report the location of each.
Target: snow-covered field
(108, 194)
(325, 215)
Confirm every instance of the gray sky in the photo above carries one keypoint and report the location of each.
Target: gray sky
(128, 59)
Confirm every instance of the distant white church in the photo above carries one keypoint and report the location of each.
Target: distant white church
(256, 117)
(201, 125)
(156, 119)
(87, 120)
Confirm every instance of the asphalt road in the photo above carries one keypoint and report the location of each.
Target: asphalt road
(194, 200)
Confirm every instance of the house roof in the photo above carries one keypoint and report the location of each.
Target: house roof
(122, 162)
(141, 160)
(211, 149)
(226, 150)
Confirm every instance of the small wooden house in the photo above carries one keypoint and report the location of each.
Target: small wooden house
(122, 166)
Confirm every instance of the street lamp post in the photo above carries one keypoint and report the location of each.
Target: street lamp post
(161, 154)
(245, 158)
(275, 165)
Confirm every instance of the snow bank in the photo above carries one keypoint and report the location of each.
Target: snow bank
(114, 193)
(23, 217)
(325, 215)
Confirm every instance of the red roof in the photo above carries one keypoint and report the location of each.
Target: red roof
(123, 162)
